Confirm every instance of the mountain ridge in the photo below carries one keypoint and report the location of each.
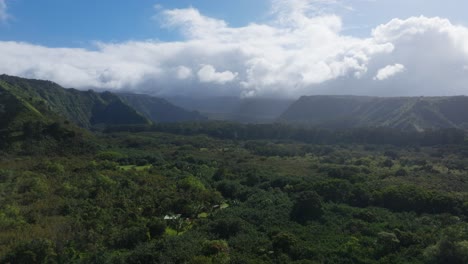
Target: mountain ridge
(28, 100)
(50, 100)
(230, 108)
(159, 109)
(345, 111)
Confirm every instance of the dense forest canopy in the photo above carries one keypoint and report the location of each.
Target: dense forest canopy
(190, 195)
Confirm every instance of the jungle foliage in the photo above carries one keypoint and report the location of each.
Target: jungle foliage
(227, 193)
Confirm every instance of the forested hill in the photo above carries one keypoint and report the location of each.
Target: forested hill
(160, 110)
(26, 99)
(245, 110)
(408, 113)
(23, 100)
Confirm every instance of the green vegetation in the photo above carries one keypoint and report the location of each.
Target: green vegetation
(268, 132)
(153, 197)
(263, 110)
(158, 109)
(409, 113)
(45, 100)
(216, 192)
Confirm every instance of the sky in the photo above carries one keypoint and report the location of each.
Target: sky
(246, 48)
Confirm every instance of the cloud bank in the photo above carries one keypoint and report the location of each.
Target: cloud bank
(301, 51)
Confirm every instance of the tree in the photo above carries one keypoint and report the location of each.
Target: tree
(35, 251)
(448, 251)
(387, 163)
(156, 227)
(217, 250)
(387, 243)
(284, 242)
(308, 206)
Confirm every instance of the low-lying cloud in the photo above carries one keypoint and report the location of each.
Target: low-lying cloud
(208, 74)
(389, 71)
(300, 51)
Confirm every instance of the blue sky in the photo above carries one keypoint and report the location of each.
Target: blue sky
(78, 23)
(245, 47)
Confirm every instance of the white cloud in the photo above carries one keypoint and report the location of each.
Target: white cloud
(193, 24)
(300, 51)
(3, 11)
(208, 74)
(184, 72)
(389, 71)
(158, 7)
(298, 11)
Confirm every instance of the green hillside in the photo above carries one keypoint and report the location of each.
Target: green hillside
(14, 110)
(229, 108)
(413, 113)
(160, 110)
(24, 99)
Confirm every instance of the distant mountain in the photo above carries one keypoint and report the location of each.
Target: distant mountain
(249, 110)
(23, 100)
(160, 110)
(412, 113)
(27, 101)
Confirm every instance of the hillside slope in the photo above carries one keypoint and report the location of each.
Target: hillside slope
(159, 110)
(418, 113)
(248, 110)
(25, 99)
